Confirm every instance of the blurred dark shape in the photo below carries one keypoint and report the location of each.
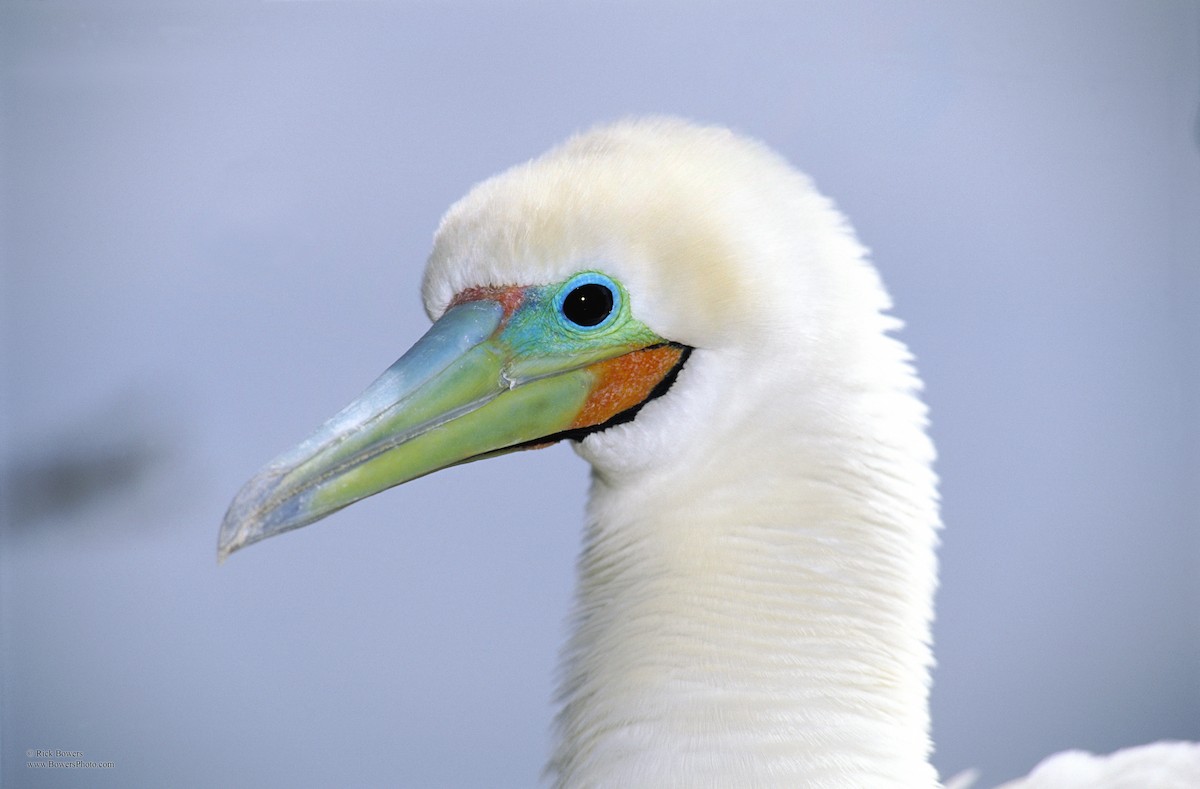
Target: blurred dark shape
(110, 454)
(72, 480)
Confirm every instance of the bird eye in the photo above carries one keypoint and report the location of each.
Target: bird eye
(588, 300)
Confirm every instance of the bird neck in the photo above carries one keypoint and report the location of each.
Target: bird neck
(754, 617)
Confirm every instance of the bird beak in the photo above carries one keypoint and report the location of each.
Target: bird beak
(460, 394)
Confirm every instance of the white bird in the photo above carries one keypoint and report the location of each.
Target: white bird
(756, 582)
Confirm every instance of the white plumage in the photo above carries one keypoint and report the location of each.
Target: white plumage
(756, 582)
(1161, 765)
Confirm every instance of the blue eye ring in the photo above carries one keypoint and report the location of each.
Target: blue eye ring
(588, 302)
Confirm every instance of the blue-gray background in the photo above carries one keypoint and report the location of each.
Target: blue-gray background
(215, 218)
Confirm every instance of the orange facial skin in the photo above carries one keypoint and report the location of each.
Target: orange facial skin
(624, 381)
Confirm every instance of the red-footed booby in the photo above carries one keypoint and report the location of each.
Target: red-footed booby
(756, 582)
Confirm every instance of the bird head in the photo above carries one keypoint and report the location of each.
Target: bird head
(568, 295)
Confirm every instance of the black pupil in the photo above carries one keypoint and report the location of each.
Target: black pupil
(588, 304)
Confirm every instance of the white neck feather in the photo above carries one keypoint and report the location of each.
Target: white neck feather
(757, 612)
